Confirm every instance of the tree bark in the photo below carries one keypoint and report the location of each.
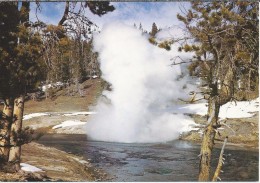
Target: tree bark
(208, 139)
(15, 151)
(5, 129)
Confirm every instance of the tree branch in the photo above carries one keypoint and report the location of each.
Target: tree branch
(182, 61)
(65, 14)
(220, 162)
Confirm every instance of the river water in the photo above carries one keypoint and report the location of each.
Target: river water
(172, 161)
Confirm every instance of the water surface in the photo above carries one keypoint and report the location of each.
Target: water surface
(171, 161)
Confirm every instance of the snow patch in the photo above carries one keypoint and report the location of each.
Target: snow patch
(80, 113)
(45, 87)
(240, 109)
(29, 168)
(33, 115)
(52, 85)
(69, 123)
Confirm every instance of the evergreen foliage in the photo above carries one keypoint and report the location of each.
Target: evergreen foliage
(227, 50)
(226, 35)
(154, 30)
(20, 50)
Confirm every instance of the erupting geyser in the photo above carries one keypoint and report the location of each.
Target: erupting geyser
(142, 82)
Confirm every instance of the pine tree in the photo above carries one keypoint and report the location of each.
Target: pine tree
(18, 75)
(154, 30)
(8, 22)
(141, 27)
(222, 54)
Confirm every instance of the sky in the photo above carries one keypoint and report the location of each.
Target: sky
(162, 13)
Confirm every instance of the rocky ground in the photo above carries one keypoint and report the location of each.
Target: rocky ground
(58, 165)
(240, 132)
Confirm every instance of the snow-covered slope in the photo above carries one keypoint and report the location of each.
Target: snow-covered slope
(240, 109)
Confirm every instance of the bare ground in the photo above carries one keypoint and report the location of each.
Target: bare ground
(59, 165)
(61, 102)
(240, 132)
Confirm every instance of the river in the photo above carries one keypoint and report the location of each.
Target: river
(172, 161)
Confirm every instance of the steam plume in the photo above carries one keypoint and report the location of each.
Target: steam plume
(143, 84)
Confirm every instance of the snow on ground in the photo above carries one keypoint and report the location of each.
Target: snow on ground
(45, 87)
(80, 113)
(69, 123)
(29, 168)
(33, 115)
(52, 85)
(240, 109)
(71, 127)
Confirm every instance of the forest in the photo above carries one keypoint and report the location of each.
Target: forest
(194, 86)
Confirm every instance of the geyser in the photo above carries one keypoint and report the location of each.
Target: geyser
(143, 84)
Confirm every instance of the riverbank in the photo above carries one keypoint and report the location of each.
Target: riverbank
(243, 132)
(54, 165)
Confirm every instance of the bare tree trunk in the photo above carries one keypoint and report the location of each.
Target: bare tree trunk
(5, 129)
(249, 80)
(208, 140)
(15, 151)
(249, 75)
(219, 97)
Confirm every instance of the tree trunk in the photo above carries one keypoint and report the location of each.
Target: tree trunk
(208, 139)
(5, 129)
(15, 151)
(249, 80)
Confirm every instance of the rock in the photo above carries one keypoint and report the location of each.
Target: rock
(243, 175)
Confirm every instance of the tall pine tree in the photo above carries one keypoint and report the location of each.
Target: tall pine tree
(226, 35)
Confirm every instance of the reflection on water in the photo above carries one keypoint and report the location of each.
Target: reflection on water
(171, 161)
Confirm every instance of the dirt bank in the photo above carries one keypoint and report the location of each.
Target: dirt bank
(62, 102)
(59, 165)
(56, 165)
(242, 131)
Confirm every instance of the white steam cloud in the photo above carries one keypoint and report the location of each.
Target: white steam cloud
(143, 84)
